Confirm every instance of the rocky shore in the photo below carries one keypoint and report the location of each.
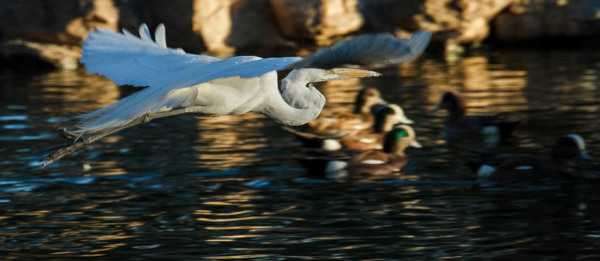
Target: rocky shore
(50, 32)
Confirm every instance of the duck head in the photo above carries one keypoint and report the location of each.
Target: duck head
(387, 117)
(452, 103)
(399, 138)
(569, 147)
(367, 98)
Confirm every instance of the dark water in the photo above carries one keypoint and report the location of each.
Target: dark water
(228, 187)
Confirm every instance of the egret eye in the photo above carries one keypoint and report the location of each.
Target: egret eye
(308, 85)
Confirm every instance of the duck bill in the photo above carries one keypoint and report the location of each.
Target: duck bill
(405, 120)
(584, 155)
(347, 73)
(416, 144)
(437, 108)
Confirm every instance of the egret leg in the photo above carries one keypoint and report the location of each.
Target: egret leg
(81, 141)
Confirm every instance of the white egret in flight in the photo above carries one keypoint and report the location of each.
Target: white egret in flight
(178, 82)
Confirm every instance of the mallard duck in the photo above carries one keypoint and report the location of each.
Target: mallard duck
(489, 128)
(565, 153)
(367, 101)
(384, 120)
(389, 160)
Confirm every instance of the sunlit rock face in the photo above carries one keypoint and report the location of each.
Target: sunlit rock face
(526, 20)
(55, 21)
(51, 31)
(462, 21)
(229, 25)
(317, 19)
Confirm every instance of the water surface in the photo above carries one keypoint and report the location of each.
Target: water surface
(229, 188)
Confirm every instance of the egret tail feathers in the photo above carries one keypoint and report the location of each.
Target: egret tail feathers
(121, 112)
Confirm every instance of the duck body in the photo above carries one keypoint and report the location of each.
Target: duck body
(367, 102)
(384, 120)
(374, 162)
(568, 150)
(487, 128)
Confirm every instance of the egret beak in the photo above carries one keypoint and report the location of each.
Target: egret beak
(347, 73)
(416, 144)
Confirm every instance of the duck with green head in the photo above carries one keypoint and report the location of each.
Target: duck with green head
(384, 120)
(367, 101)
(375, 162)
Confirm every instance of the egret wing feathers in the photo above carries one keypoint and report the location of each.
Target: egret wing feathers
(140, 61)
(367, 50)
(127, 59)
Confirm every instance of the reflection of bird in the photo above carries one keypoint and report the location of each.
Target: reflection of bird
(389, 160)
(489, 128)
(181, 83)
(565, 153)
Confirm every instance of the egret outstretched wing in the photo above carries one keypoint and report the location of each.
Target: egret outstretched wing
(140, 61)
(367, 50)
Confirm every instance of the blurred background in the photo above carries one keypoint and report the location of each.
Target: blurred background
(52, 31)
(230, 187)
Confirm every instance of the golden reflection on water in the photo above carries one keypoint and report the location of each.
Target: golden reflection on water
(76, 94)
(236, 138)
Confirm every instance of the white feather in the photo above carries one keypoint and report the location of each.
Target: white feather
(331, 145)
(159, 35)
(373, 161)
(145, 33)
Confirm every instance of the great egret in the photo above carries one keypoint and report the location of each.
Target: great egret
(178, 82)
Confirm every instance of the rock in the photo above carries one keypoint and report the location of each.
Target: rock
(55, 21)
(58, 56)
(51, 31)
(319, 20)
(535, 19)
(261, 26)
(222, 26)
(178, 21)
(468, 19)
(230, 25)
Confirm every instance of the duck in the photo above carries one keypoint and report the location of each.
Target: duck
(490, 129)
(341, 163)
(384, 120)
(367, 101)
(566, 154)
